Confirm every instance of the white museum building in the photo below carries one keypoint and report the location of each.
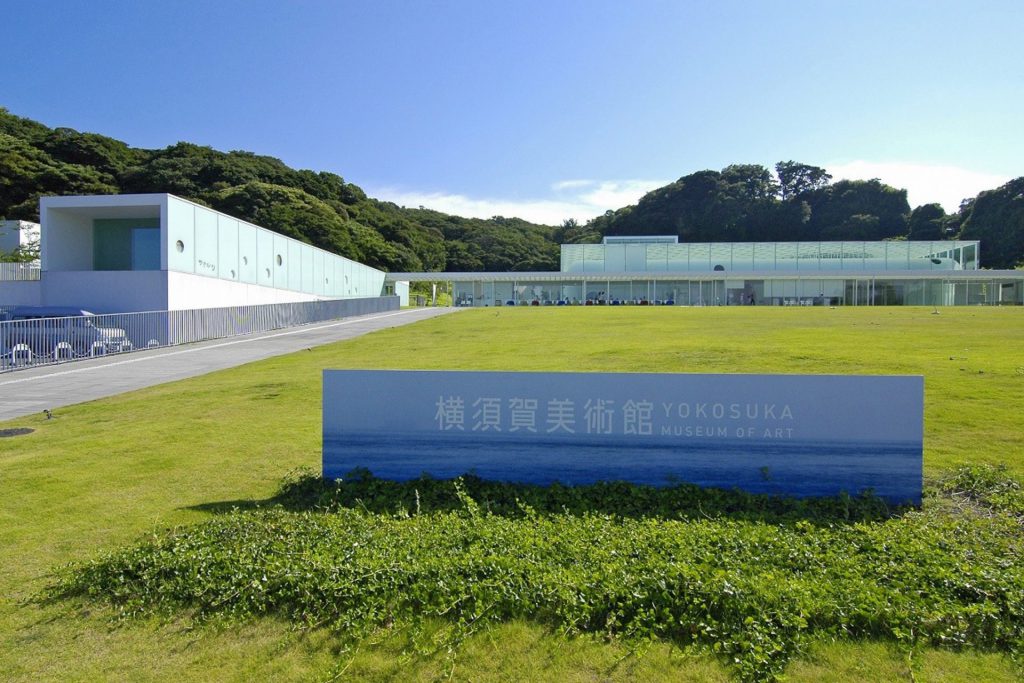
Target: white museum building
(159, 252)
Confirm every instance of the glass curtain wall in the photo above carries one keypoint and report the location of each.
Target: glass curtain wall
(726, 291)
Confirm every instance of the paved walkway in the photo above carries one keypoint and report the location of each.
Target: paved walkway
(24, 392)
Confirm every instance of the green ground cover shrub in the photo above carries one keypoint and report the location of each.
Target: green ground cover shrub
(306, 490)
(752, 591)
(986, 485)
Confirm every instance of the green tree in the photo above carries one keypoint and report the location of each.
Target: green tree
(705, 206)
(572, 232)
(106, 155)
(927, 222)
(463, 258)
(996, 218)
(26, 173)
(796, 178)
(752, 182)
(834, 208)
(860, 226)
(24, 129)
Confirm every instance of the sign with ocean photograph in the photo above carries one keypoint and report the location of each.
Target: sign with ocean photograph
(799, 435)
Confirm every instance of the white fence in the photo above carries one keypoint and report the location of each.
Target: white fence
(18, 271)
(45, 341)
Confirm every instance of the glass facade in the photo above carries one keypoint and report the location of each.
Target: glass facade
(533, 290)
(657, 272)
(641, 257)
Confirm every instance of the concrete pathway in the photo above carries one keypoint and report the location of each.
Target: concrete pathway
(24, 392)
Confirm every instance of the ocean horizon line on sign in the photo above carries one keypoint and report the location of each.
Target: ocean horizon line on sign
(799, 435)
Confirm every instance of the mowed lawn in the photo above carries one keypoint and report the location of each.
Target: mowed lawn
(102, 474)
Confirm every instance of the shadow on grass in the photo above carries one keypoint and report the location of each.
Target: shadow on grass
(307, 491)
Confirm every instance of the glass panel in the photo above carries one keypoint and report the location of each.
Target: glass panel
(635, 258)
(700, 257)
(831, 255)
(970, 257)
(764, 256)
(145, 248)
(889, 293)
(656, 258)
(572, 258)
(572, 293)
(114, 244)
(593, 258)
(671, 292)
(808, 255)
(742, 256)
(897, 255)
(615, 258)
(463, 294)
(721, 257)
(677, 257)
(503, 294)
(597, 292)
(785, 255)
(620, 293)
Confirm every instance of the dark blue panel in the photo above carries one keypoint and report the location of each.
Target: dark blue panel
(802, 435)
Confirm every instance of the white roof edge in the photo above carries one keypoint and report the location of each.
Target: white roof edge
(707, 275)
(95, 200)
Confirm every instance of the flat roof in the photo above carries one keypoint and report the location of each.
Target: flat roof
(106, 205)
(640, 239)
(559, 276)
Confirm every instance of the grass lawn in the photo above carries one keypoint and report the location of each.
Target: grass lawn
(102, 474)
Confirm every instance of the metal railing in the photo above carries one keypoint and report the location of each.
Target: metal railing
(18, 271)
(46, 341)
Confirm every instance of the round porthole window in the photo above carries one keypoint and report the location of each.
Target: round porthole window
(268, 272)
(245, 260)
(179, 246)
(279, 260)
(327, 280)
(232, 274)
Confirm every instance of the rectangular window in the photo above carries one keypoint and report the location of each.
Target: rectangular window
(145, 248)
(126, 244)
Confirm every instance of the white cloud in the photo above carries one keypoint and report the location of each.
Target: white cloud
(571, 184)
(615, 194)
(584, 199)
(579, 199)
(925, 183)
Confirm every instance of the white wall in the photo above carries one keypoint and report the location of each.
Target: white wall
(66, 242)
(195, 291)
(106, 291)
(121, 291)
(20, 293)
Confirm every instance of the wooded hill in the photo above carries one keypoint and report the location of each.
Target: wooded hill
(743, 202)
(319, 208)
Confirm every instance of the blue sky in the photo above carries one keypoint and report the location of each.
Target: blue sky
(546, 110)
